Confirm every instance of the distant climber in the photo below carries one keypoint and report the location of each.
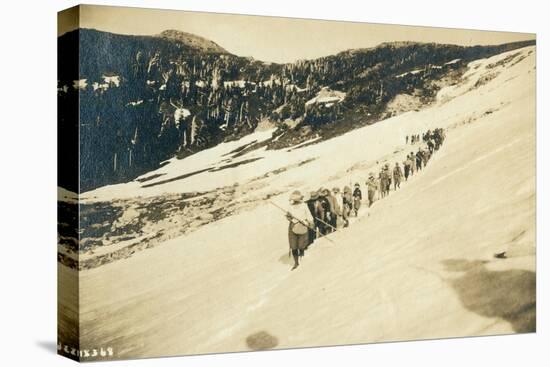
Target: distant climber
(431, 145)
(372, 186)
(397, 176)
(334, 208)
(357, 197)
(407, 167)
(385, 180)
(347, 205)
(338, 207)
(419, 159)
(315, 208)
(327, 211)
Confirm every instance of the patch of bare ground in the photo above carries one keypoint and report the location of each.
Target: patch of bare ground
(507, 60)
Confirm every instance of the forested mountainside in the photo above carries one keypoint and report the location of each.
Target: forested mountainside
(144, 99)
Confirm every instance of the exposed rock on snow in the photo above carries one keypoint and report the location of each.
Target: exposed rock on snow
(452, 62)
(413, 72)
(327, 96)
(403, 103)
(112, 80)
(80, 84)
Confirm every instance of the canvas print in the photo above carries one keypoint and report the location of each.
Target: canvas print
(241, 183)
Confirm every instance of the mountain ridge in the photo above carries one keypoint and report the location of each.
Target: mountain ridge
(194, 40)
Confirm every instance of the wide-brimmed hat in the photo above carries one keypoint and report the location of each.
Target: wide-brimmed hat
(335, 189)
(387, 165)
(371, 174)
(313, 195)
(324, 191)
(296, 196)
(347, 189)
(356, 184)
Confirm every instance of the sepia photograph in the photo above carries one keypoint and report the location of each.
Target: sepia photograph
(231, 183)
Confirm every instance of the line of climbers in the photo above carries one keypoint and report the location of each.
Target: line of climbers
(325, 211)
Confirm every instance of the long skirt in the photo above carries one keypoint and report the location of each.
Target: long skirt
(356, 204)
(297, 241)
(371, 197)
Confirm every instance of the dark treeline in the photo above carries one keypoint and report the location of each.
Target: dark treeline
(147, 98)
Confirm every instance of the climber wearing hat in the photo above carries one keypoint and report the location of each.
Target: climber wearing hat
(385, 180)
(300, 220)
(326, 211)
(335, 207)
(317, 212)
(397, 176)
(372, 185)
(412, 159)
(419, 158)
(406, 167)
(347, 205)
(357, 197)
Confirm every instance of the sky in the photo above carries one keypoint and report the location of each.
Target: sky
(272, 39)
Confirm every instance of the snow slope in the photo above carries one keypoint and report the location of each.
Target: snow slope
(419, 264)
